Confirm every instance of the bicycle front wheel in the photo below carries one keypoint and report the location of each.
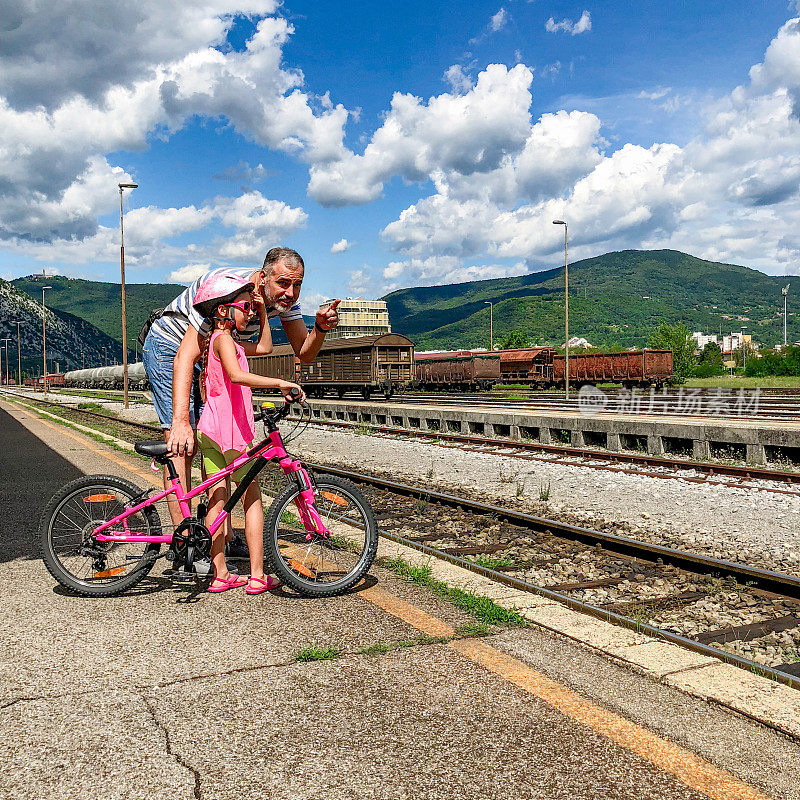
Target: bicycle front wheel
(71, 553)
(317, 566)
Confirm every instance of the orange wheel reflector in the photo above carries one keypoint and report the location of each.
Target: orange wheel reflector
(334, 498)
(298, 567)
(99, 498)
(109, 573)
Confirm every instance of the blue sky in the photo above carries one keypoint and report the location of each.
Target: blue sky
(396, 144)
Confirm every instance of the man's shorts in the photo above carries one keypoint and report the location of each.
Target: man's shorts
(215, 460)
(158, 356)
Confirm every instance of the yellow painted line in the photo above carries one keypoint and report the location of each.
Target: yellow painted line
(414, 616)
(695, 772)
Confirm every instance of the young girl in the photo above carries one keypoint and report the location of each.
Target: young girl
(226, 427)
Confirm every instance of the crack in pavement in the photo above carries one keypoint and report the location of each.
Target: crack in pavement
(138, 688)
(198, 795)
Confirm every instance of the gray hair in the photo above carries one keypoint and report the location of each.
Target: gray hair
(291, 258)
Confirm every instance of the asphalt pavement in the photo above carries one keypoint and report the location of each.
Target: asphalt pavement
(169, 692)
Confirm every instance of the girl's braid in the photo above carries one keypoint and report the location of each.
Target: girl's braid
(204, 361)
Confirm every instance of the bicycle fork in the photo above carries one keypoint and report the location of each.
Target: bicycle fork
(312, 521)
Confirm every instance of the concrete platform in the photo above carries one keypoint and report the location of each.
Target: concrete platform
(752, 439)
(169, 692)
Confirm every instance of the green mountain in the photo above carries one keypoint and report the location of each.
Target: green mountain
(616, 300)
(100, 303)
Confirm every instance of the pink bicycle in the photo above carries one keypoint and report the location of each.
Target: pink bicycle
(101, 535)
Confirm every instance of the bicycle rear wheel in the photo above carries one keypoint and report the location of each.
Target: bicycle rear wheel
(320, 567)
(73, 556)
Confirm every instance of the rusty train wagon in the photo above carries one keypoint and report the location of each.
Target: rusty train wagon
(365, 364)
(458, 370)
(631, 368)
(533, 365)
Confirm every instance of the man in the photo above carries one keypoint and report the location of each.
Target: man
(174, 344)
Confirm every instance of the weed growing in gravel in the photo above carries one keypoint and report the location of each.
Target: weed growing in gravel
(313, 653)
(491, 562)
(89, 407)
(483, 608)
(421, 505)
(520, 489)
(792, 655)
(429, 473)
(364, 429)
(544, 492)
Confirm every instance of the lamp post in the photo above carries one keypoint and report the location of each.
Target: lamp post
(785, 293)
(566, 310)
(122, 276)
(44, 343)
(6, 373)
(491, 324)
(19, 359)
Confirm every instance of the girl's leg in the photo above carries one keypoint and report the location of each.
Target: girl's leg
(217, 499)
(254, 528)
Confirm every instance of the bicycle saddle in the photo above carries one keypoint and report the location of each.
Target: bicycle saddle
(154, 448)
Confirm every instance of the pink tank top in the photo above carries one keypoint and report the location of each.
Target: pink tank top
(227, 416)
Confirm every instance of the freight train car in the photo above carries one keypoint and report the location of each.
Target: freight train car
(530, 365)
(630, 368)
(460, 370)
(108, 377)
(365, 364)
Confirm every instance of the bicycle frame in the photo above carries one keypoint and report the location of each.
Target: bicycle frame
(269, 449)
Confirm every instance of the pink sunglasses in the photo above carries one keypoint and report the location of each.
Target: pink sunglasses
(243, 305)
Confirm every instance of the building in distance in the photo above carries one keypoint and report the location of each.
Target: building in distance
(360, 317)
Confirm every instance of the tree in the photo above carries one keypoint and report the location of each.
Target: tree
(678, 339)
(517, 338)
(711, 361)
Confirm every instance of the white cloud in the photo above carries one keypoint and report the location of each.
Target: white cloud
(61, 111)
(189, 273)
(573, 28)
(440, 270)
(499, 20)
(341, 246)
(242, 172)
(729, 194)
(459, 80)
(468, 133)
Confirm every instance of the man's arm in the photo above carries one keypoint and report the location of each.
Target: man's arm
(306, 344)
(181, 435)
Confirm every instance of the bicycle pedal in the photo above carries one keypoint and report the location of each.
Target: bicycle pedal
(182, 576)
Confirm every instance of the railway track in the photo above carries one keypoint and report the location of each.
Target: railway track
(561, 453)
(656, 590)
(707, 473)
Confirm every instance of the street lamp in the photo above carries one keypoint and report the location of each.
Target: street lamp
(491, 324)
(566, 310)
(785, 293)
(19, 359)
(44, 343)
(6, 341)
(122, 275)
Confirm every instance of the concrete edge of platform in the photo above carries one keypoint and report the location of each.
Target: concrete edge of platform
(701, 676)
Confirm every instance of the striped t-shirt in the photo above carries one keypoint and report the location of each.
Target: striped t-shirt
(180, 313)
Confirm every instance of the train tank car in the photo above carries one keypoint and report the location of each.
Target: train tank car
(458, 370)
(365, 364)
(630, 368)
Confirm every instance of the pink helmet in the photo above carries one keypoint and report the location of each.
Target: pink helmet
(219, 289)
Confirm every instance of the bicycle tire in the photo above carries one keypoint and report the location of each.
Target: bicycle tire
(132, 560)
(322, 567)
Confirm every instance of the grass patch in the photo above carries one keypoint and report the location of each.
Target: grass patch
(363, 429)
(89, 407)
(743, 382)
(470, 630)
(484, 609)
(313, 653)
(492, 562)
(544, 492)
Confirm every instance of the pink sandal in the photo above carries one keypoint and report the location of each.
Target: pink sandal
(223, 584)
(266, 585)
